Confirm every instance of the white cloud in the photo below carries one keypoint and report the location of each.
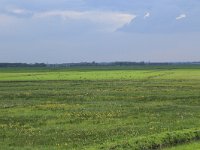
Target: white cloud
(111, 21)
(147, 15)
(181, 16)
(18, 11)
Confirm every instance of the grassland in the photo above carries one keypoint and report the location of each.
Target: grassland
(99, 108)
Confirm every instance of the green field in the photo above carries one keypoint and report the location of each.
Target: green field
(151, 107)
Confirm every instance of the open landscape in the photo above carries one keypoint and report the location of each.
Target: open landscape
(131, 107)
(99, 75)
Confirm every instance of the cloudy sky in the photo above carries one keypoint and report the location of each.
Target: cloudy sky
(58, 31)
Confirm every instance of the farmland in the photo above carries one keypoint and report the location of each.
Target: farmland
(99, 107)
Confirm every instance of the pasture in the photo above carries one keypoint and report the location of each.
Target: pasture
(151, 107)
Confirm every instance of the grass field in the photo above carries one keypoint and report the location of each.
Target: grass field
(99, 108)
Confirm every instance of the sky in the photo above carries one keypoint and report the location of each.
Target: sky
(63, 31)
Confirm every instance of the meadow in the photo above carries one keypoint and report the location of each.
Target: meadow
(142, 107)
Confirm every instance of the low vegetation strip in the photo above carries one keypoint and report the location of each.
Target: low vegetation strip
(188, 146)
(158, 141)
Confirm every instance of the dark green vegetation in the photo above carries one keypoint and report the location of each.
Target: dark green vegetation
(188, 146)
(105, 108)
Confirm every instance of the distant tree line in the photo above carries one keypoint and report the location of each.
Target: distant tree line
(120, 64)
(95, 64)
(22, 65)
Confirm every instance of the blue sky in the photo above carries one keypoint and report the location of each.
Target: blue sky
(58, 31)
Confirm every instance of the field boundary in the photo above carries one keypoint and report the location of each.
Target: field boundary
(158, 141)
